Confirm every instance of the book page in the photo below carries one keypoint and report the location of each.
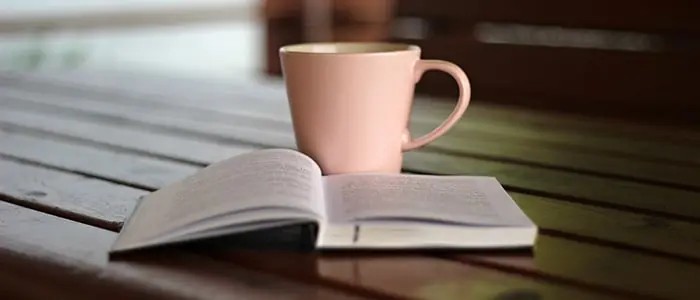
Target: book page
(452, 199)
(266, 178)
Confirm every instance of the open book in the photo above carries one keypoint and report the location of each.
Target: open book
(280, 187)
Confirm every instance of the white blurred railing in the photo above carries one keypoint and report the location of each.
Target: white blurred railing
(96, 18)
(213, 38)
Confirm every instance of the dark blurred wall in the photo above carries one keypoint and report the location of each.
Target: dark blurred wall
(297, 21)
(628, 59)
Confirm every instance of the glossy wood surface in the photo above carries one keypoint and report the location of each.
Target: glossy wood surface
(615, 203)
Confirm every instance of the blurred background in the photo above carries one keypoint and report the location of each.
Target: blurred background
(208, 38)
(623, 59)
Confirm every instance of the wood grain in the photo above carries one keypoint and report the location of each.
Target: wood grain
(531, 179)
(43, 256)
(196, 276)
(482, 124)
(177, 272)
(488, 147)
(52, 235)
(466, 142)
(601, 236)
(654, 276)
(31, 278)
(231, 137)
(248, 97)
(135, 171)
(563, 185)
(631, 228)
(611, 131)
(237, 102)
(605, 224)
(95, 202)
(180, 148)
(552, 132)
(408, 275)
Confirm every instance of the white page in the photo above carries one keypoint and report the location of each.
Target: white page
(266, 178)
(417, 235)
(471, 200)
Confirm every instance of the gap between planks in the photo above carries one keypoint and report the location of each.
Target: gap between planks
(563, 274)
(117, 110)
(88, 155)
(484, 147)
(61, 253)
(102, 84)
(285, 140)
(186, 130)
(331, 277)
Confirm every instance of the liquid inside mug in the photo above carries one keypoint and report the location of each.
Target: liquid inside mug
(350, 102)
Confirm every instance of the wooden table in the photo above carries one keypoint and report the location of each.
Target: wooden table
(618, 204)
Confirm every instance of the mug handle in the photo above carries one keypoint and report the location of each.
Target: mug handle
(464, 95)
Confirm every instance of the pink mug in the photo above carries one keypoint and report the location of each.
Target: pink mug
(350, 102)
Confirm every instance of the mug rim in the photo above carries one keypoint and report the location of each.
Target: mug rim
(389, 48)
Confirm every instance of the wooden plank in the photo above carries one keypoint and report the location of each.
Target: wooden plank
(398, 275)
(668, 16)
(46, 255)
(530, 179)
(624, 228)
(86, 204)
(481, 123)
(176, 272)
(182, 96)
(111, 165)
(42, 255)
(264, 94)
(612, 132)
(521, 151)
(640, 236)
(200, 277)
(28, 278)
(486, 146)
(67, 240)
(141, 84)
(652, 276)
(231, 137)
(559, 158)
(242, 98)
(20, 179)
(604, 137)
(181, 149)
(563, 185)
